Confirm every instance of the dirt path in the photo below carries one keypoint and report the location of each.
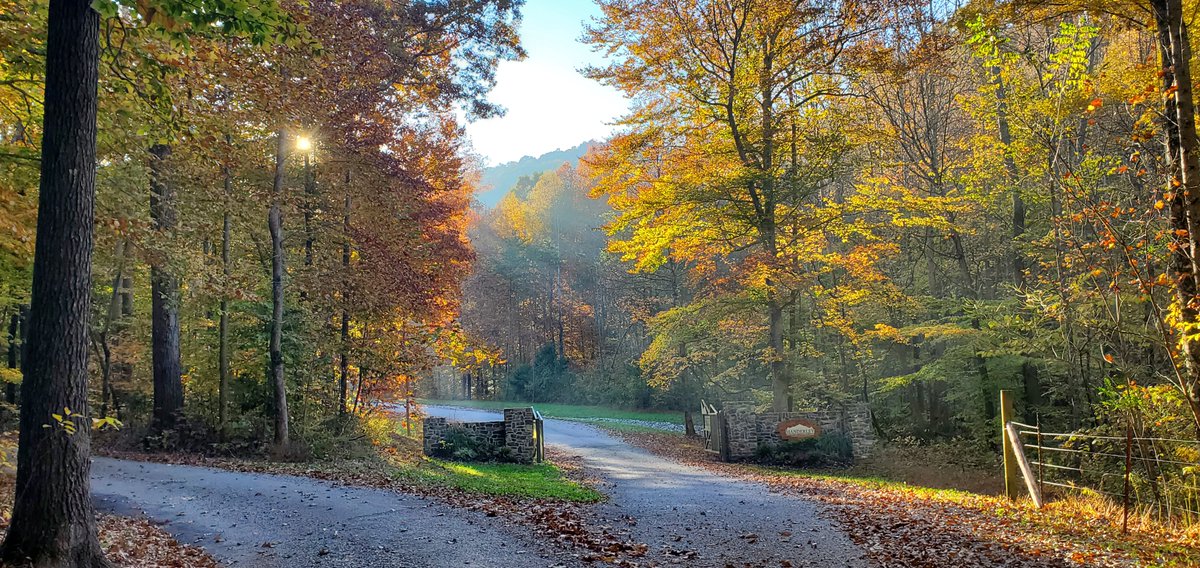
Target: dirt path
(690, 516)
(246, 519)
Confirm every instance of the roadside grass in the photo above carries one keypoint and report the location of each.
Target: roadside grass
(538, 481)
(567, 411)
(402, 462)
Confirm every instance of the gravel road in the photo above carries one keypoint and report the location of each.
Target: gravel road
(686, 515)
(268, 521)
(690, 516)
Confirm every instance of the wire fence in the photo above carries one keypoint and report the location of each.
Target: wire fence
(1156, 475)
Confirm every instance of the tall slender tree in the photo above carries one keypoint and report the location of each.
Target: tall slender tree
(164, 290)
(275, 224)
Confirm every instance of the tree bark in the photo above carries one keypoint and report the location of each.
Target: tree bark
(781, 381)
(1183, 158)
(1010, 165)
(223, 326)
(106, 332)
(275, 224)
(53, 522)
(164, 299)
(344, 358)
(310, 195)
(15, 342)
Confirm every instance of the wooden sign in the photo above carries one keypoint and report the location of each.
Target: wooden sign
(798, 429)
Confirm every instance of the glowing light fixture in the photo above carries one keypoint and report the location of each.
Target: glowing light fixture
(304, 143)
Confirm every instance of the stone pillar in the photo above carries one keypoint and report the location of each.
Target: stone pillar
(434, 430)
(742, 430)
(519, 434)
(859, 429)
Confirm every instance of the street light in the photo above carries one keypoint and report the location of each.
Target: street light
(304, 143)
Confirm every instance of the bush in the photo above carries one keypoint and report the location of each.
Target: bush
(826, 450)
(459, 445)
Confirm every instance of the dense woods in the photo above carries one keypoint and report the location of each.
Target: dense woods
(909, 204)
(278, 216)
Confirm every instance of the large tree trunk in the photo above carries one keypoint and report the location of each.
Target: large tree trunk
(275, 223)
(164, 299)
(53, 522)
(223, 326)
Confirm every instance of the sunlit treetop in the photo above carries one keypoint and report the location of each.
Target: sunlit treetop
(260, 21)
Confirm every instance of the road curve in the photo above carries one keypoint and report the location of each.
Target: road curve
(275, 521)
(680, 508)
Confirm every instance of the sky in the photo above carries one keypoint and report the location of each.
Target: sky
(550, 104)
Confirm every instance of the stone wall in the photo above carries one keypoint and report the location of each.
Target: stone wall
(747, 430)
(517, 432)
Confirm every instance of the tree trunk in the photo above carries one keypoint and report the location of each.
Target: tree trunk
(53, 522)
(106, 332)
(275, 223)
(1183, 160)
(310, 193)
(344, 358)
(780, 385)
(223, 326)
(164, 290)
(15, 341)
(1010, 164)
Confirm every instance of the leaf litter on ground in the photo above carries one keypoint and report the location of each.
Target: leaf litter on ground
(904, 525)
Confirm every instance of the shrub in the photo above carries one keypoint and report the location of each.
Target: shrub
(826, 450)
(460, 445)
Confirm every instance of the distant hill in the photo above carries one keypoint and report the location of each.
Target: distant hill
(497, 180)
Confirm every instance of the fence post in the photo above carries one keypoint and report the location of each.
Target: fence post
(1011, 483)
(1128, 466)
(1041, 460)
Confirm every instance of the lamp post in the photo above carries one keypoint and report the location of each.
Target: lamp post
(305, 144)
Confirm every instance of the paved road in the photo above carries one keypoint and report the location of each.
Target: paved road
(268, 521)
(682, 508)
(686, 514)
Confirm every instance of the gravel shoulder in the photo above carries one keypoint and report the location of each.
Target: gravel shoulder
(690, 516)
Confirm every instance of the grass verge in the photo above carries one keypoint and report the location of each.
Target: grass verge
(538, 481)
(568, 411)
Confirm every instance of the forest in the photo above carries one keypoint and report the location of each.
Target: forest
(914, 207)
(252, 229)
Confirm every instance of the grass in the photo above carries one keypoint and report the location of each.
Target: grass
(568, 411)
(868, 480)
(539, 481)
(404, 461)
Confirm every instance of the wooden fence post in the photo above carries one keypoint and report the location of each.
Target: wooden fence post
(1011, 483)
